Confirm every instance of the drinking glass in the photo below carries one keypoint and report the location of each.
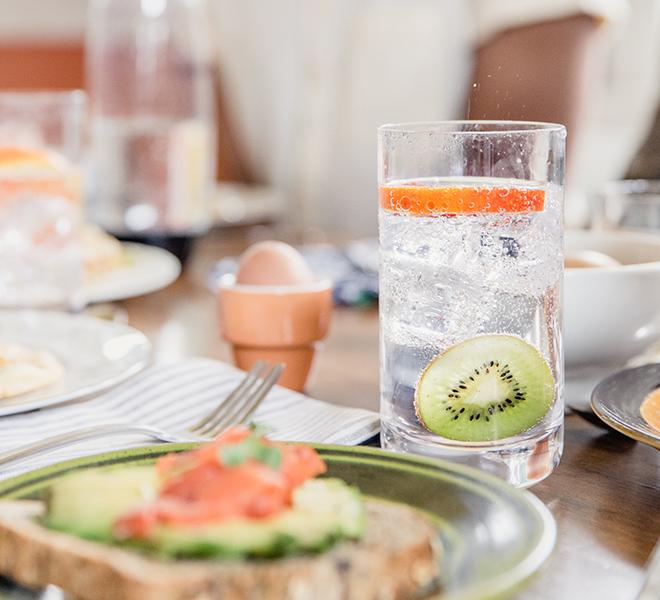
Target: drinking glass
(40, 199)
(471, 270)
(632, 204)
(152, 158)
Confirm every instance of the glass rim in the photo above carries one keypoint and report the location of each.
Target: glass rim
(469, 127)
(75, 96)
(647, 189)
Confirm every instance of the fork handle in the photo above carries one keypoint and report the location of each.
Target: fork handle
(79, 435)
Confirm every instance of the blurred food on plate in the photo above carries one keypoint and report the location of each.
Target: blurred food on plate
(650, 409)
(24, 370)
(102, 252)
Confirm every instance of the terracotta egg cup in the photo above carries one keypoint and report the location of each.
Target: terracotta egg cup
(277, 323)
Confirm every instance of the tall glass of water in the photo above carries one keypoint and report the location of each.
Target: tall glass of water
(152, 118)
(471, 268)
(40, 200)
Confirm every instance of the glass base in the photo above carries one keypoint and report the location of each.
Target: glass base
(520, 463)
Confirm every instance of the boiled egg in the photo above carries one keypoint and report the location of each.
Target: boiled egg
(273, 263)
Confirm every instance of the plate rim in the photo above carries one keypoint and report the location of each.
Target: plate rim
(495, 587)
(629, 432)
(174, 263)
(90, 390)
(604, 413)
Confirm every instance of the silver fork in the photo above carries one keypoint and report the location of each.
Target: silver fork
(236, 408)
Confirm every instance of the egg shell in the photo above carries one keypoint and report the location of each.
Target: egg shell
(273, 263)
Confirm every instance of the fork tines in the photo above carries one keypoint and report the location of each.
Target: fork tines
(239, 406)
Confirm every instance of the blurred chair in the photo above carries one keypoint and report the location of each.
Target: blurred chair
(646, 164)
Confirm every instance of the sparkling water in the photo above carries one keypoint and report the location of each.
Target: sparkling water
(448, 278)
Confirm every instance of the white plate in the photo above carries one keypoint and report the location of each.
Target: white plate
(147, 269)
(96, 354)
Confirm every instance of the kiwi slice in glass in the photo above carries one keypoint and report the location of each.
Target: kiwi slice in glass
(486, 388)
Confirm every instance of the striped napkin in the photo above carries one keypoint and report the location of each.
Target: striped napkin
(174, 397)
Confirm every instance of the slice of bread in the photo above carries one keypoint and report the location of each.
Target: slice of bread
(395, 559)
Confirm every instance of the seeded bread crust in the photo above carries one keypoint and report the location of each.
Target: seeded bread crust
(395, 558)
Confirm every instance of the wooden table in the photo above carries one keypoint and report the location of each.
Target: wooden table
(605, 495)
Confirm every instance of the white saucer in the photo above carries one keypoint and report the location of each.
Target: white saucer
(147, 270)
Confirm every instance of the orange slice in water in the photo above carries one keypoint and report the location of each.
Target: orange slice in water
(650, 409)
(424, 201)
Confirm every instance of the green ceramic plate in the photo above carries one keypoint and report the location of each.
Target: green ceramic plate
(495, 537)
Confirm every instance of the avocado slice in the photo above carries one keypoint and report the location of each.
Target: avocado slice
(323, 512)
(335, 497)
(88, 503)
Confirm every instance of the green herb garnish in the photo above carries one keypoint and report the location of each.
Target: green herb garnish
(251, 448)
